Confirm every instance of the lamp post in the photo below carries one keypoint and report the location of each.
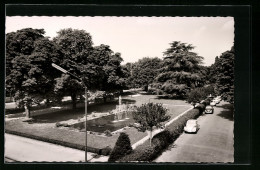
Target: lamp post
(86, 102)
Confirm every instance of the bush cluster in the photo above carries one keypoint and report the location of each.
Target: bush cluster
(161, 141)
(108, 133)
(197, 94)
(122, 148)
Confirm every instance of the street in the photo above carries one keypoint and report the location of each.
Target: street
(212, 143)
(22, 149)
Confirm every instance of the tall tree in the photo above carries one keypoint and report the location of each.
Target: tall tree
(19, 43)
(143, 72)
(180, 71)
(31, 75)
(75, 45)
(222, 72)
(99, 67)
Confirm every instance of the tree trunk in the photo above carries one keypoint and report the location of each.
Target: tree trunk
(146, 88)
(47, 102)
(105, 99)
(74, 101)
(27, 111)
(151, 136)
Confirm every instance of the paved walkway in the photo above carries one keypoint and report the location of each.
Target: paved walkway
(29, 150)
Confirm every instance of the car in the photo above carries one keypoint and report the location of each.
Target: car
(192, 126)
(209, 109)
(216, 101)
(212, 103)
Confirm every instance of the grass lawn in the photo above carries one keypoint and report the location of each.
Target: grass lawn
(44, 127)
(49, 131)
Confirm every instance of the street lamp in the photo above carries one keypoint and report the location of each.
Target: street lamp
(86, 101)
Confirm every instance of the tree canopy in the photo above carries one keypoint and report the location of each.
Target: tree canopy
(99, 67)
(29, 71)
(180, 70)
(222, 73)
(143, 72)
(150, 115)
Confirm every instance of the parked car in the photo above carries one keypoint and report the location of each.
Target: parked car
(209, 109)
(212, 103)
(192, 126)
(216, 101)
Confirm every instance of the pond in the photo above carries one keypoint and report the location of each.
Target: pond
(110, 122)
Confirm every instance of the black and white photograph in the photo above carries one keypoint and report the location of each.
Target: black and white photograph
(119, 89)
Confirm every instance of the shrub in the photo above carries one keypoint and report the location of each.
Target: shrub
(106, 151)
(162, 140)
(122, 147)
(141, 153)
(58, 124)
(108, 133)
(200, 107)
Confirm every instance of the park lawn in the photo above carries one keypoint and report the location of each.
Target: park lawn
(174, 111)
(49, 133)
(44, 127)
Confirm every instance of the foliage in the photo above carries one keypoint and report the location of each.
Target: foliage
(99, 67)
(122, 148)
(150, 115)
(180, 70)
(222, 73)
(160, 142)
(143, 72)
(29, 71)
(200, 93)
(108, 133)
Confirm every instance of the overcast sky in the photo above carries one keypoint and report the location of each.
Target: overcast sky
(138, 37)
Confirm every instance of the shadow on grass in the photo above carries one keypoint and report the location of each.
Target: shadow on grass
(160, 97)
(228, 112)
(128, 101)
(64, 115)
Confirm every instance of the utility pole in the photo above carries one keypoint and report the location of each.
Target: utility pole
(86, 103)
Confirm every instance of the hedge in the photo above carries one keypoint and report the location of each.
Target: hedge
(162, 140)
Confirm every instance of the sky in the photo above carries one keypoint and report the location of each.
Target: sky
(138, 37)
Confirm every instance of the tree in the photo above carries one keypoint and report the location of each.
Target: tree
(150, 115)
(19, 43)
(98, 67)
(222, 72)
(30, 72)
(200, 93)
(122, 148)
(180, 70)
(143, 72)
(195, 96)
(75, 45)
(111, 72)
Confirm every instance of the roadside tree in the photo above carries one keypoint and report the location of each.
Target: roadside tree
(222, 73)
(150, 115)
